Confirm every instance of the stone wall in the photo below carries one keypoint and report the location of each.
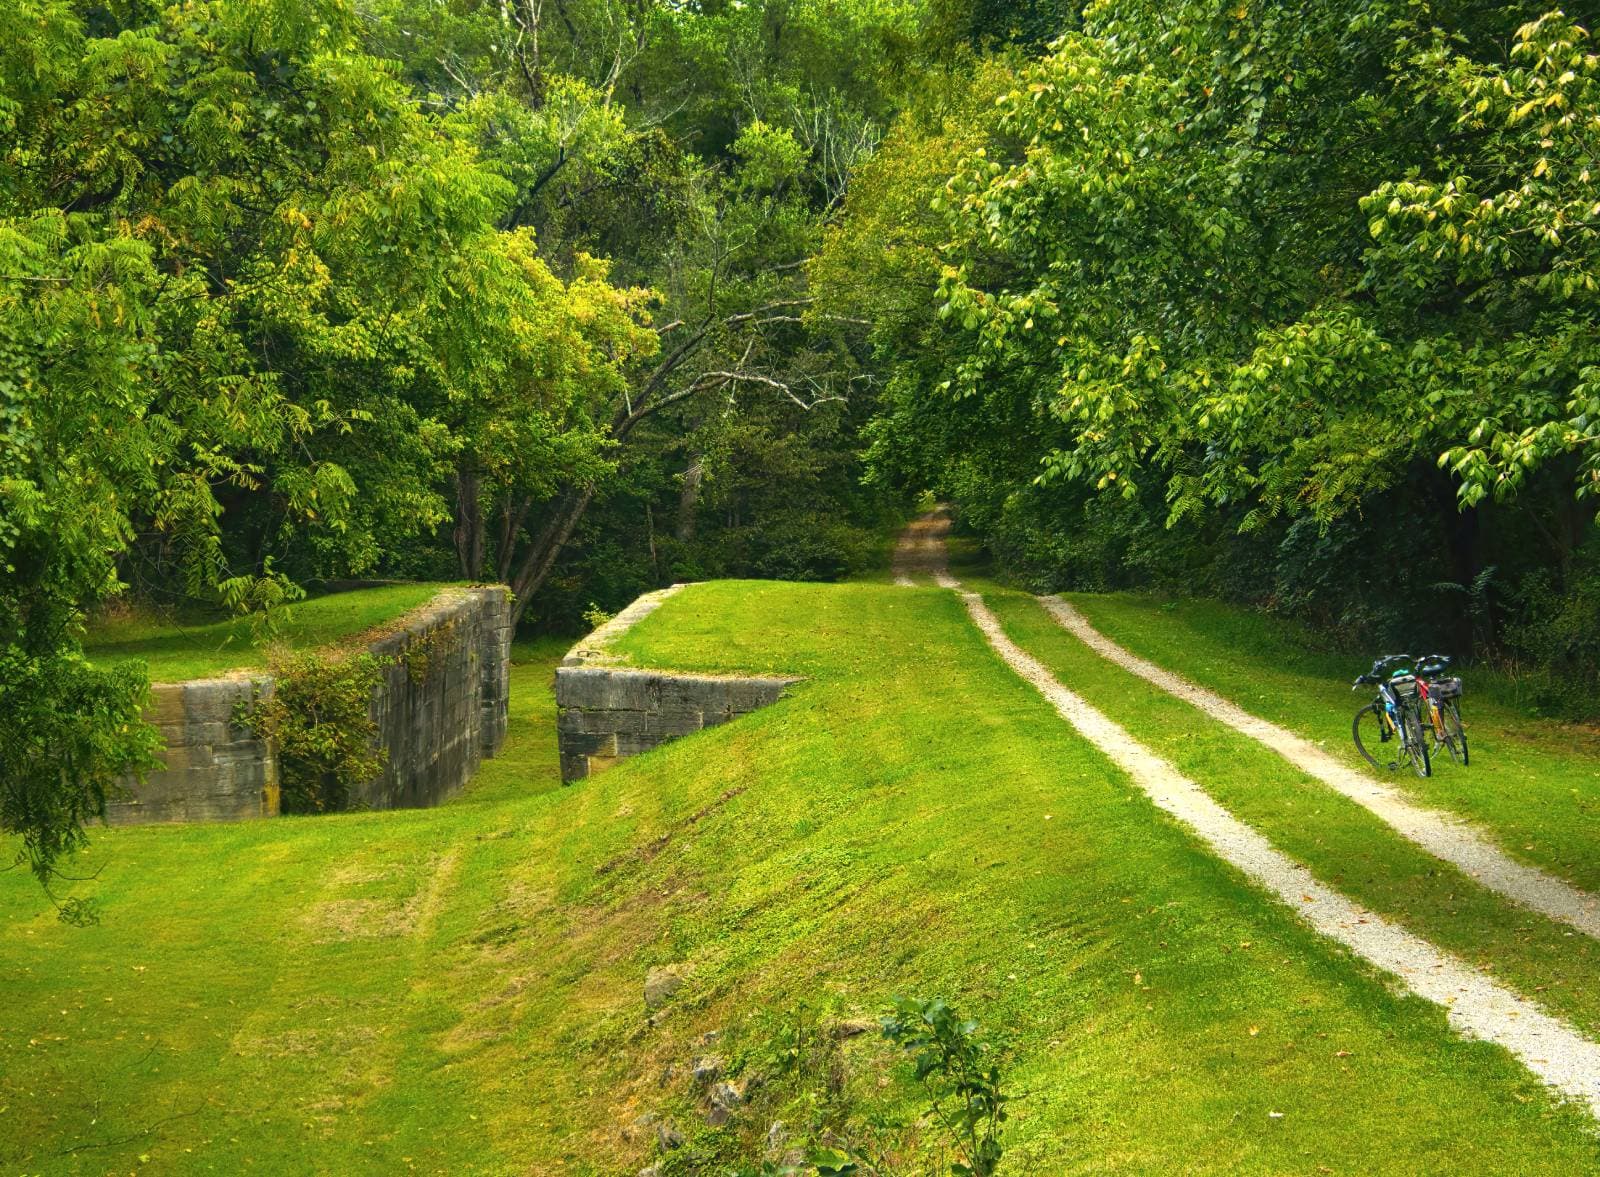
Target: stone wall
(216, 769)
(440, 710)
(606, 712)
(442, 706)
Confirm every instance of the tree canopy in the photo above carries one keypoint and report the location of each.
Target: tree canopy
(1291, 305)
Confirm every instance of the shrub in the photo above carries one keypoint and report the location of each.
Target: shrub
(320, 714)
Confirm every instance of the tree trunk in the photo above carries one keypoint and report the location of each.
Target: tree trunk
(469, 519)
(534, 567)
(689, 499)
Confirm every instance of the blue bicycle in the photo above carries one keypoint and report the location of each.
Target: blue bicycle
(1394, 714)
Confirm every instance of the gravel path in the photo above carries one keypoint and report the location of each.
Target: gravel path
(1477, 1007)
(1442, 835)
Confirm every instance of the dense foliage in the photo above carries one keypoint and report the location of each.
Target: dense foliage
(1291, 305)
(293, 290)
(319, 715)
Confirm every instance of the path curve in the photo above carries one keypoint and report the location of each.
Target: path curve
(1476, 1006)
(1443, 835)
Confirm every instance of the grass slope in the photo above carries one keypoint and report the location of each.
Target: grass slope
(175, 649)
(459, 990)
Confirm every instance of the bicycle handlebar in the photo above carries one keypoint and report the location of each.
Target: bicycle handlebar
(1422, 664)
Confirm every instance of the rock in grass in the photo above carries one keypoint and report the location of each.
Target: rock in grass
(668, 1137)
(659, 986)
(779, 1151)
(641, 1127)
(707, 1070)
(724, 1098)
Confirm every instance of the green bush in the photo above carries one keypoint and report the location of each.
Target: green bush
(319, 712)
(1553, 648)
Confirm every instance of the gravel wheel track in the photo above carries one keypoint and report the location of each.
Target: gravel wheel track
(1476, 1005)
(1443, 835)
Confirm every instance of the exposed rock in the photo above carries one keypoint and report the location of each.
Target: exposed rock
(724, 1098)
(659, 986)
(778, 1150)
(640, 1129)
(707, 1070)
(668, 1137)
(650, 1171)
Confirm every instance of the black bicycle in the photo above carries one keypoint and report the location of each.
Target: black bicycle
(1394, 714)
(1441, 706)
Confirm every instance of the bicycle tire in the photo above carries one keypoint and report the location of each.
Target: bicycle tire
(1377, 729)
(1455, 735)
(1414, 742)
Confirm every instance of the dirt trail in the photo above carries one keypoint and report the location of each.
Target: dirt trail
(1442, 835)
(920, 551)
(1476, 1006)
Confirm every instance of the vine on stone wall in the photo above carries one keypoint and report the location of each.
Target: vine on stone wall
(424, 654)
(320, 715)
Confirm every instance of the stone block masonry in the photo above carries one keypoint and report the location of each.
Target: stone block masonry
(440, 710)
(443, 703)
(216, 768)
(606, 711)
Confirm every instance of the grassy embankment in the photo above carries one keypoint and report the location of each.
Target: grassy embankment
(459, 990)
(194, 645)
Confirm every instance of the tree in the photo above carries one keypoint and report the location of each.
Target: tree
(1277, 271)
(255, 301)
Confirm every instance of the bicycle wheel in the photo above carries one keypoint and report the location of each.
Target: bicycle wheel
(1369, 732)
(1414, 743)
(1455, 736)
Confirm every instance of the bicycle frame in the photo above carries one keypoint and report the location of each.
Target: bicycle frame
(1391, 708)
(1431, 709)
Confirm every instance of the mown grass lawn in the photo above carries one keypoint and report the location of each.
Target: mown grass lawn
(1342, 843)
(459, 990)
(194, 645)
(1534, 784)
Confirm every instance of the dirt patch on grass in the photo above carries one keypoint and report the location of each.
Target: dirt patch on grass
(309, 1043)
(921, 548)
(363, 919)
(358, 874)
(656, 845)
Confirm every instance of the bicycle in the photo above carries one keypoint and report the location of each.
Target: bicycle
(1442, 706)
(1395, 713)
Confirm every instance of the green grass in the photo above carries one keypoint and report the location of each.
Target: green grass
(1340, 841)
(197, 645)
(458, 990)
(1533, 785)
